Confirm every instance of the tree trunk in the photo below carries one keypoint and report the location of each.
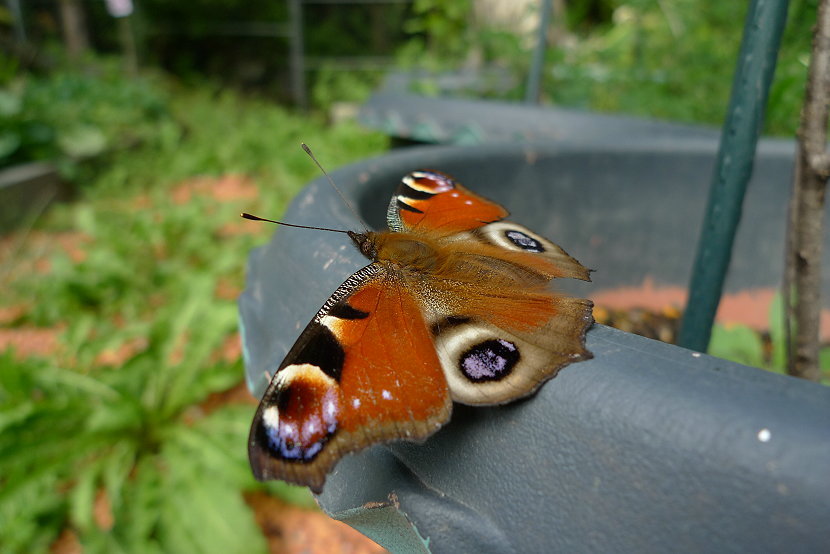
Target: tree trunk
(74, 28)
(805, 232)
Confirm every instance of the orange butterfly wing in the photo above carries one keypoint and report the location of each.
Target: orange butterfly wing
(429, 201)
(434, 201)
(364, 371)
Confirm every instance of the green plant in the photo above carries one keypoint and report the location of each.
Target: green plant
(676, 61)
(444, 37)
(744, 345)
(670, 60)
(331, 86)
(119, 435)
(219, 132)
(69, 116)
(443, 24)
(71, 430)
(69, 436)
(9, 67)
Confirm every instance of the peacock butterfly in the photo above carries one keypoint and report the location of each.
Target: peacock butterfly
(454, 306)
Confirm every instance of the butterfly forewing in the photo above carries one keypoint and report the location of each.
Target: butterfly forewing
(335, 393)
(433, 201)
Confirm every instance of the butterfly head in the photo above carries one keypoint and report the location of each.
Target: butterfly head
(366, 243)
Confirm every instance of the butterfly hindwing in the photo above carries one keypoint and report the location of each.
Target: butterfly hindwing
(335, 392)
(526, 333)
(487, 363)
(517, 238)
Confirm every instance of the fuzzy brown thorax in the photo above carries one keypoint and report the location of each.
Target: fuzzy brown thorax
(404, 250)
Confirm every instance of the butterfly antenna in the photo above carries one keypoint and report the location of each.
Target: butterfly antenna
(331, 182)
(257, 218)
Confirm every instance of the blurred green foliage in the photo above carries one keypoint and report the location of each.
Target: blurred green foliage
(69, 435)
(70, 116)
(744, 345)
(238, 43)
(442, 28)
(144, 435)
(671, 60)
(675, 60)
(332, 86)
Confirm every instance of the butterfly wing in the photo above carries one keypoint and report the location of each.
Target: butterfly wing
(364, 371)
(501, 332)
(488, 362)
(389, 351)
(433, 201)
(538, 253)
(512, 333)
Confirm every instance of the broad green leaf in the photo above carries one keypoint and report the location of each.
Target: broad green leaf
(83, 141)
(737, 343)
(82, 498)
(777, 334)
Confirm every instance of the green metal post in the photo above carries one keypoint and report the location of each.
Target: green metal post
(755, 69)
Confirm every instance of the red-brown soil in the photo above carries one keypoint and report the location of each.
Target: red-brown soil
(293, 530)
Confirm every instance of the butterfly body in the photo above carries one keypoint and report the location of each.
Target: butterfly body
(454, 306)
